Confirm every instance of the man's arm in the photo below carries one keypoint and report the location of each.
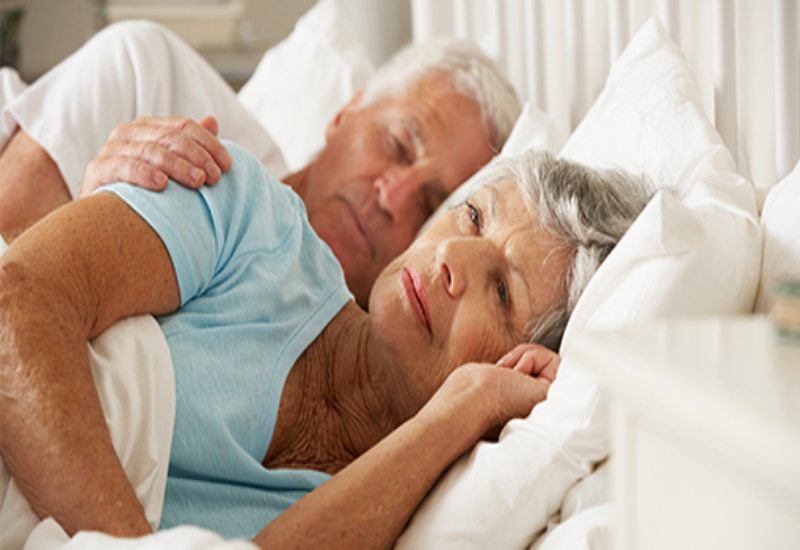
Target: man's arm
(62, 282)
(144, 152)
(30, 185)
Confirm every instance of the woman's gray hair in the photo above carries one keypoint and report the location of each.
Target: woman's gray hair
(473, 74)
(587, 209)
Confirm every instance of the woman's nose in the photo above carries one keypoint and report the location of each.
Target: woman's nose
(457, 261)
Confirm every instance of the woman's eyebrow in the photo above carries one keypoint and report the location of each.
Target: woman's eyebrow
(492, 201)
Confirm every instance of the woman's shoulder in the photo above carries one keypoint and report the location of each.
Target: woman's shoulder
(248, 193)
(248, 177)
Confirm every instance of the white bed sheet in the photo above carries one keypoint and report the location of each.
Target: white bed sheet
(11, 85)
(48, 535)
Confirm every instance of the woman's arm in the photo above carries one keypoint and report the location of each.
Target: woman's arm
(62, 282)
(368, 504)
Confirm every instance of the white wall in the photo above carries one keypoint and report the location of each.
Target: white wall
(384, 25)
(754, 55)
(52, 29)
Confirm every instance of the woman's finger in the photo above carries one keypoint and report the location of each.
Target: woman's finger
(549, 367)
(526, 362)
(510, 359)
(538, 361)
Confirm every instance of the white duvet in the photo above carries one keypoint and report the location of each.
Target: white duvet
(133, 374)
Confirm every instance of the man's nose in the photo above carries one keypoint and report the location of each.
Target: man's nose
(395, 190)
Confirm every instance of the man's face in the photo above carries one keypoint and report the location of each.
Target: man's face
(384, 170)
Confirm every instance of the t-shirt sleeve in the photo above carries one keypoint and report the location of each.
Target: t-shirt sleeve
(203, 229)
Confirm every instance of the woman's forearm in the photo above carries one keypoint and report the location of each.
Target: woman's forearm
(55, 442)
(368, 503)
(62, 282)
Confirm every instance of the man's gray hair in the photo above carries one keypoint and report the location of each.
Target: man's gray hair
(587, 209)
(473, 74)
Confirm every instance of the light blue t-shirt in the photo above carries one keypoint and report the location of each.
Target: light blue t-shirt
(257, 286)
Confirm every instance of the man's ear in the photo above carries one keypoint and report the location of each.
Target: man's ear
(352, 105)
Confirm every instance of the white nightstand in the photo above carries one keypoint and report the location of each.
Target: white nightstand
(706, 433)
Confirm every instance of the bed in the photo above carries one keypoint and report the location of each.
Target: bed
(701, 97)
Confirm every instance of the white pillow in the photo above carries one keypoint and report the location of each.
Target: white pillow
(781, 228)
(301, 83)
(647, 120)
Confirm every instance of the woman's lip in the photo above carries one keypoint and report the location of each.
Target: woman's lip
(416, 296)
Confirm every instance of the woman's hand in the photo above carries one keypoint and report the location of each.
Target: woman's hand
(532, 359)
(489, 395)
(149, 150)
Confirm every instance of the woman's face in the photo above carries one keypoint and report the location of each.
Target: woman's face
(467, 288)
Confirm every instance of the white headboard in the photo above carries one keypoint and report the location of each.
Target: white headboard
(744, 54)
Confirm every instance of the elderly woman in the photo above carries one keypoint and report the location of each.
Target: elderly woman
(281, 380)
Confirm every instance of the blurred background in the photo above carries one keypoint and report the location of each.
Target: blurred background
(231, 34)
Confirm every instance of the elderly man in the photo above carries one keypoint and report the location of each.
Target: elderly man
(423, 124)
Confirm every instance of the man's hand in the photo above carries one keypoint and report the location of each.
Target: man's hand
(151, 149)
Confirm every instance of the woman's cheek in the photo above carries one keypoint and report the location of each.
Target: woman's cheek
(476, 340)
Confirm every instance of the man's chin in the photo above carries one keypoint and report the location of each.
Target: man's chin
(353, 273)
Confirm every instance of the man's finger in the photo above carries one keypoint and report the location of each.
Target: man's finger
(209, 123)
(183, 145)
(183, 136)
(177, 167)
(206, 138)
(105, 170)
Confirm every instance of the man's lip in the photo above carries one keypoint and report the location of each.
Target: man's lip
(360, 226)
(416, 296)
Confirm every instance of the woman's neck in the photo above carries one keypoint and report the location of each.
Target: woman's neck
(346, 393)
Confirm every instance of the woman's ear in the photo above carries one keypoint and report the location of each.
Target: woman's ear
(347, 109)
